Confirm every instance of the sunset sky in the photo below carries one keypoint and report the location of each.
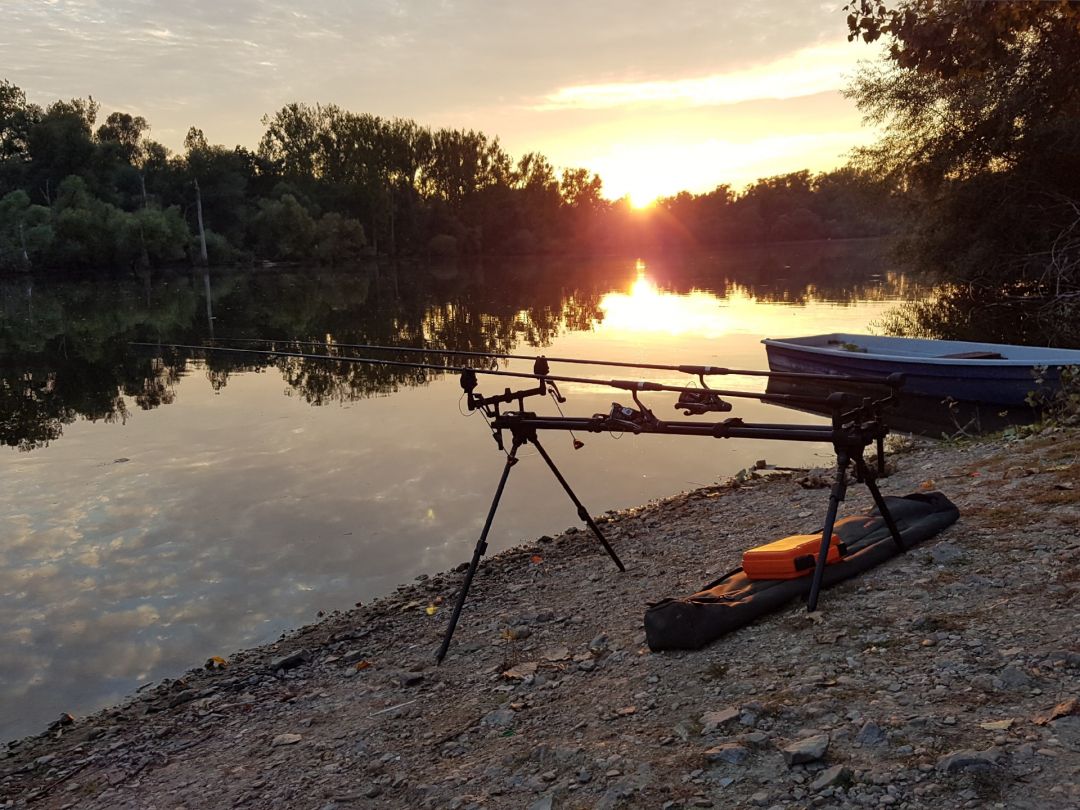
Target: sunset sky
(655, 97)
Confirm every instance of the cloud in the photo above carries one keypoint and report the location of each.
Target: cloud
(806, 72)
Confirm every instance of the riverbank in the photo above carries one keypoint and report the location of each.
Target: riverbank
(934, 680)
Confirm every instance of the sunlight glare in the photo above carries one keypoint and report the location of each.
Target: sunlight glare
(646, 308)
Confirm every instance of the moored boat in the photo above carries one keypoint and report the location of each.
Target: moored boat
(989, 373)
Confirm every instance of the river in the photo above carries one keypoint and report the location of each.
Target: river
(160, 511)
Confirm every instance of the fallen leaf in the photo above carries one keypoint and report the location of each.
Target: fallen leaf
(1063, 709)
(997, 725)
(362, 665)
(216, 662)
(927, 484)
(431, 610)
(536, 559)
(626, 711)
(521, 671)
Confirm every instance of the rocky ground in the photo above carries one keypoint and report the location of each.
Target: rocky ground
(948, 677)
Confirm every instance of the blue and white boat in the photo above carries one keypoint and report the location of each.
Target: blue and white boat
(989, 373)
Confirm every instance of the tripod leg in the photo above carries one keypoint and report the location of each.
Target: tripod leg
(886, 515)
(583, 513)
(478, 552)
(835, 497)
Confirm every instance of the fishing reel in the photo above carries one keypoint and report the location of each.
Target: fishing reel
(695, 403)
(626, 419)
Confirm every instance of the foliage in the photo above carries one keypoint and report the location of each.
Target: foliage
(338, 239)
(981, 117)
(1057, 398)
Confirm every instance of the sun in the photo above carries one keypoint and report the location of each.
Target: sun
(642, 199)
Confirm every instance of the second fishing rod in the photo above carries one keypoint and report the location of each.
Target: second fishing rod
(892, 381)
(540, 371)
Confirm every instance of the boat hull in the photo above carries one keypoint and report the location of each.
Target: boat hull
(989, 381)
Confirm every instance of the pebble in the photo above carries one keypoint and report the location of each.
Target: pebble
(290, 661)
(836, 775)
(499, 717)
(968, 759)
(731, 753)
(711, 721)
(870, 734)
(286, 739)
(806, 750)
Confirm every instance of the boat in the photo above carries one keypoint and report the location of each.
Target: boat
(985, 373)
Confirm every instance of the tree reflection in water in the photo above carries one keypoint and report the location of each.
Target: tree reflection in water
(66, 356)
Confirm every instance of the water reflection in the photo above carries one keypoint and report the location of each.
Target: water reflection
(982, 314)
(925, 416)
(174, 508)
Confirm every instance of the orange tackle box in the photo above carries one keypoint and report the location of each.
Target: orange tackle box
(792, 557)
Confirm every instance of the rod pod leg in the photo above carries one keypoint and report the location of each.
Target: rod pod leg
(583, 513)
(879, 501)
(839, 490)
(478, 552)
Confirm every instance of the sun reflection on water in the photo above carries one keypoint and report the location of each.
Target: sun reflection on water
(647, 308)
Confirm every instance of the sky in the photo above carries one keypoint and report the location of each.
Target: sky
(655, 97)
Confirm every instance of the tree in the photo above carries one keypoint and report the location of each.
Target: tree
(126, 133)
(16, 118)
(284, 229)
(25, 233)
(981, 114)
(60, 144)
(338, 239)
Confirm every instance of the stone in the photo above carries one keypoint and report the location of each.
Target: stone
(499, 718)
(1067, 730)
(543, 803)
(352, 656)
(946, 554)
(830, 777)
(870, 734)
(1013, 677)
(810, 749)
(286, 739)
(290, 661)
(969, 760)
(711, 721)
(186, 696)
(731, 753)
(409, 678)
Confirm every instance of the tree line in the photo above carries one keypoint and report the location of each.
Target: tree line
(327, 185)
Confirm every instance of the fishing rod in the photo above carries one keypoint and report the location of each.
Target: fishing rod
(695, 370)
(699, 399)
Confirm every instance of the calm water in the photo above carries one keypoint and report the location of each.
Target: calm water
(157, 512)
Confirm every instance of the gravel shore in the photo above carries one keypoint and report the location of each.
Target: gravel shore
(948, 677)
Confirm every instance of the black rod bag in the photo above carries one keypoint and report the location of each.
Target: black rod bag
(691, 622)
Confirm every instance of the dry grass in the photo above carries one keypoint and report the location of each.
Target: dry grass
(1054, 497)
